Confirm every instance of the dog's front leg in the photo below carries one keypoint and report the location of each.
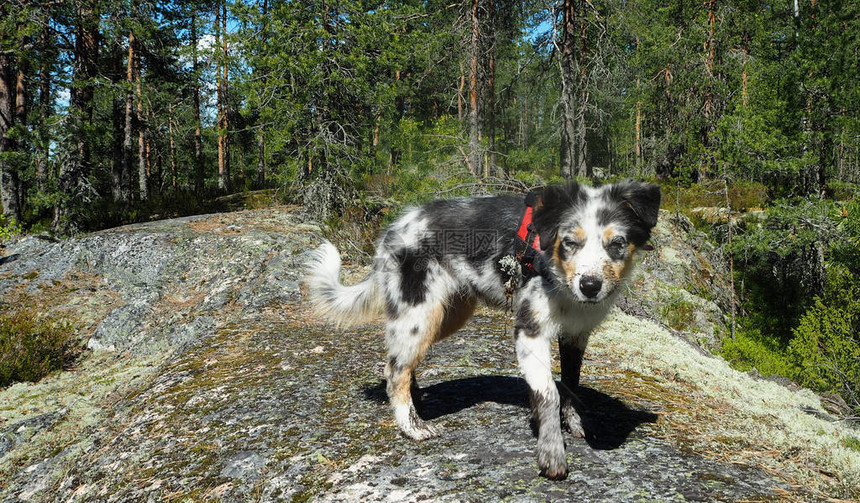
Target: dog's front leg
(571, 350)
(535, 360)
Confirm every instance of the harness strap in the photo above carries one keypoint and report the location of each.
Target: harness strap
(527, 247)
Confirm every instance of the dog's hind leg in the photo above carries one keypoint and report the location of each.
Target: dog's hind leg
(408, 337)
(571, 350)
(400, 381)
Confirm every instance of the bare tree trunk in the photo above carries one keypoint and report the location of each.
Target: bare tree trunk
(73, 183)
(221, 42)
(474, 125)
(638, 134)
(637, 143)
(261, 136)
(744, 78)
(9, 187)
(117, 76)
(44, 108)
(198, 137)
(152, 185)
(567, 151)
(574, 92)
(129, 116)
(142, 172)
(710, 57)
(21, 103)
(225, 81)
(491, 93)
(523, 123)
(580, 166)
(460, 91)
(173, 170)
(731, 257)
(21, 107)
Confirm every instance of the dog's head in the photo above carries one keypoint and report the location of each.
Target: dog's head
(591, 234)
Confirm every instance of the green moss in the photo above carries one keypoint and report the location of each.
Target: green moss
(852, 443)
(677, 310)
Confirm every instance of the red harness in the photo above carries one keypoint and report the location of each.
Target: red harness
(527, 248)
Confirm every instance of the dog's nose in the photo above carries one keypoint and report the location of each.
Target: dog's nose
(590, 286)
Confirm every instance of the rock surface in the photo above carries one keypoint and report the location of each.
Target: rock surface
(208, 379)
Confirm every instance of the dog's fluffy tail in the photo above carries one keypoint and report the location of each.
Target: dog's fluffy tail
(343, 305)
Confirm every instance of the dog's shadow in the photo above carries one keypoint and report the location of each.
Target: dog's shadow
(607, 421)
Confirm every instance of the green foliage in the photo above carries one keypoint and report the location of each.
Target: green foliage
(677, 311)
(748, 92)
(9, 229)
(826, 346)
(781, 263)
(800, 271)
(33, 345)
(852, 443)
(743, 195)
(847, 251)
(750, 349)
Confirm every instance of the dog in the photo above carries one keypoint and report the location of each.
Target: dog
(558, 256)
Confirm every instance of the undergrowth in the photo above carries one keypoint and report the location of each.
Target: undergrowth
(9, 228)
(750, 349)
(33, 345)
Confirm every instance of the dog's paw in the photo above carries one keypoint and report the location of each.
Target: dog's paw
(571, 421)
(412, 425)
(552, 460)
(421, 430)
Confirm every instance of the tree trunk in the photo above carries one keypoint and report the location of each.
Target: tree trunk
(261, 132)
(225, 81)
(127, 143)
(491, 93)
(744, 78)
(142, 171)
(117, 76)
(21, 107)
(44, 109)
(574, 92)
(637, 140)
(9, 189)
(198, 137)
(710, 56)
(221, 42)
(580, 166)
(567, 151)
(460, 91)
(73, 183)
(474, 124)
(173, 170)
(147, 156)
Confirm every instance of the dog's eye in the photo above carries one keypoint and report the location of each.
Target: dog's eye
(570, 243)
(617, 248)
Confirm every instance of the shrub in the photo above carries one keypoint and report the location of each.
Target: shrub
(743, 195)
(33, 346)
(9, 229)
(749, 349)
(826, 344)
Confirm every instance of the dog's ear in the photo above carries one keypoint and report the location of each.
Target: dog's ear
(550, 205)
(642, 198)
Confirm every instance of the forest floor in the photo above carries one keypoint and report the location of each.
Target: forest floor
(208, 378)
